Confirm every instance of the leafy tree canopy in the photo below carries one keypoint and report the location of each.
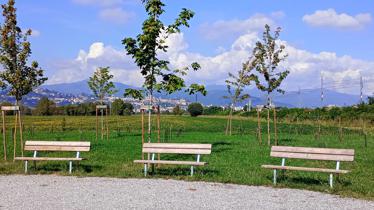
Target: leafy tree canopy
(18, 76)
(100, 83)
(267, 55)
(145, 48)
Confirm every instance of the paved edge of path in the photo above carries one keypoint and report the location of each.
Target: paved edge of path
(69, 192)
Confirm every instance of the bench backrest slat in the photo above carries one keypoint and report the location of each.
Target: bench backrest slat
(312, 153)
(67, 146)
(168, 148)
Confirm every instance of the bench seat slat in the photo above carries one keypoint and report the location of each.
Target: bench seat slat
(177, 151)
(58, 143)
(311, 156)
(57, 148)
(171, 162)
(48, 158)
(294, 168)
(311, 150)
(177, 146)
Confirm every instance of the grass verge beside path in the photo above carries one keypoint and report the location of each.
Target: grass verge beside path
(234, 159)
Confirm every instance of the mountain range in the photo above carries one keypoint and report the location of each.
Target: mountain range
(304, 98)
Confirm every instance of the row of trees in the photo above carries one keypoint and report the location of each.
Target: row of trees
(294, 114)
(263, 69)
(46, 107)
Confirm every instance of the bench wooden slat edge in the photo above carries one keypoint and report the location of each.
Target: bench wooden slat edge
(58, 143)
(295, 168)
(171, 162)
(48, 158)
(177, 151)
(311, 156)
(330, 151)
(177, 145)
(57, 148)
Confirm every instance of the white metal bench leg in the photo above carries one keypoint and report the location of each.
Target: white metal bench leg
(331, 180)
(35, 154)
(26, 162)
(192, 167)
(145, 169)
(275, 177)
(331, 175)
(70, 166)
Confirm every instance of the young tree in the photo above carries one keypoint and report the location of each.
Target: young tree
(118, 106)
(19, 77)
(268, 54)
(235, 87)
(45, 107)
(177, 110)
(371, 100)
(101, 85)
(145, 49)
(195, 109)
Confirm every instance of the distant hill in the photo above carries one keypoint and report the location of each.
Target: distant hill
(81, 87)
(310, 98)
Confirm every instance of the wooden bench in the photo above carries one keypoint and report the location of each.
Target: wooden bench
(307, 153)
(55, 146)
(166, 148)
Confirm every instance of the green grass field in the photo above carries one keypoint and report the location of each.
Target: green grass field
(234, 159)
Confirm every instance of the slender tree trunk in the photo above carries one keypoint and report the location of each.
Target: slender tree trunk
(230, 121)
(269, 142)
(259, 127)
(275, 128)
(149, 117)
(268, 118)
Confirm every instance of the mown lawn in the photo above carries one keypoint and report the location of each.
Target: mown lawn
(234, 159)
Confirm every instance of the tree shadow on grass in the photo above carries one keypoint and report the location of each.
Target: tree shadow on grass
(311, 181)
(285, 141)
(178, 171)
(221, 146)
(61, 167)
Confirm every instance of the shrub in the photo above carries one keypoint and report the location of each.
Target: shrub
(195, 109)
(177, 110)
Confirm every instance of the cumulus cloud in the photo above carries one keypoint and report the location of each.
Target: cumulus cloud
(116, 15)
(236, 27)
(98, 55)
(305, 66)
(330, 18)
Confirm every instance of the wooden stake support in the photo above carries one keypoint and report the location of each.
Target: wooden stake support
(143, 109)
(104, 125)
(259, 135)
(17, 124)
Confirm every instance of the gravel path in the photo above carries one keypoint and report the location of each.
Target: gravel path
(58, 192)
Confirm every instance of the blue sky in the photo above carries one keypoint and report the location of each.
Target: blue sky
(333, 37)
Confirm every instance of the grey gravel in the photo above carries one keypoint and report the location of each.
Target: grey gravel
(57, 192)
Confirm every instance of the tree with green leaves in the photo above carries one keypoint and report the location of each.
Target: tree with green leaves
(18, 76)
(45, 107)
(145, 50)
(235, 87)
(267, 55)
(101, 85)
(195, 109)
(371, 100)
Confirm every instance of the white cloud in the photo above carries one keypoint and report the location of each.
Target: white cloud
(340, 72)
(330, 18)
(116, 15)
(223, 28)
(98, 55)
